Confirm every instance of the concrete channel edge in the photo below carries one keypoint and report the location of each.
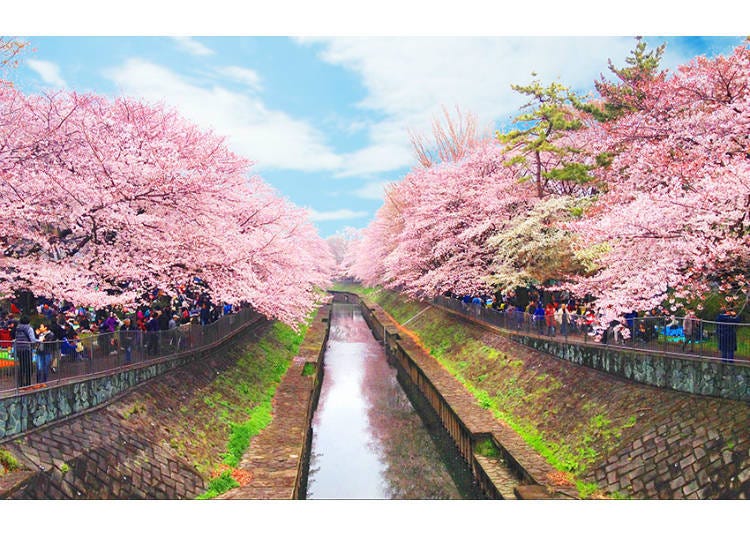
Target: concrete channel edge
(519, 472)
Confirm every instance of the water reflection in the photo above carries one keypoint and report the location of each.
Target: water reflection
(368, 442)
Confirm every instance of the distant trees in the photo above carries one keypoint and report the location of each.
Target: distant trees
(453, 138)
(341, 245)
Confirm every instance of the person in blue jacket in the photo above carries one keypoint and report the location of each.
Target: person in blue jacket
(539, 317)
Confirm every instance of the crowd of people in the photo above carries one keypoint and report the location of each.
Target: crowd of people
(555, 314)
(61, 329)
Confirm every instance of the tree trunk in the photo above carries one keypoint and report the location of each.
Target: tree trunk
(538, 174)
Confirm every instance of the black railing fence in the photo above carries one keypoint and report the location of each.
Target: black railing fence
(25, 366)
(703, 338)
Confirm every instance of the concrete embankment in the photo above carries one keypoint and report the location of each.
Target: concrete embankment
(276, 462)
(616, 437)
(502, 463)
(162, 439)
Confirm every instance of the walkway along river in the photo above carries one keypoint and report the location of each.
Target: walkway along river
(368, 440)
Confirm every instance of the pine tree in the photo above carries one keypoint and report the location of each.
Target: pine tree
(628, 93)
(539, 144)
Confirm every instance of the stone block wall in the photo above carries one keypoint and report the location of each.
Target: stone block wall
(24, 412)
(685, 374)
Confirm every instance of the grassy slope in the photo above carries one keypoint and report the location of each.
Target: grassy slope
(533, 399)
(248, 387)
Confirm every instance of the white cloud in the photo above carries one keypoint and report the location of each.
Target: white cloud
(270, 138)
(191, 46)
(48, 71)
(241, 74)
(340, 214)
(372, 190)
(409, 80)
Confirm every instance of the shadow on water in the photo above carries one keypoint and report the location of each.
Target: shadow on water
(368, 440)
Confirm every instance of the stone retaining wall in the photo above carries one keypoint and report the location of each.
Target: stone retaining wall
(689, 375)
(24, 412)
(465, 421)
(145, 444)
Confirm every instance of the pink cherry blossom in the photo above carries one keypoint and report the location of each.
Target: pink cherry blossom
(109, 198)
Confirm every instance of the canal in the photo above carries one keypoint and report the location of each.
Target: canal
(368, 440)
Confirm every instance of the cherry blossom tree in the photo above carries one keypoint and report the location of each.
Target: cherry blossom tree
(113, 197)
(378, 240)
(341, 245)
(675, 213)
(535, 248)
(430, 235)
(11, 51)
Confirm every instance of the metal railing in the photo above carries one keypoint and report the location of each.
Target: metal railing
(27, 366)
(706, 340)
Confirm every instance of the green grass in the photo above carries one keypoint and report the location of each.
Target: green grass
(487, 448)
(136, 408)
(254, 380)
(453, 347)
(8, 461)
(219, 485)
(586, 489)
(242, 433)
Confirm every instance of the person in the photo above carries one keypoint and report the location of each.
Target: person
(24, 338)
(205, 314)
(174, 335)
(152, 332)
(561, 318)
(5, 339)
(46, 349)
(107, 333)
(165, 315)
(650, 325)
(588, 322)
(690, 329)
(726, 332)
(128, 338)
(549, 319)
(539, 317)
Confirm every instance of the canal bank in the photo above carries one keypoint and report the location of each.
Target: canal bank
(162, 439)
(275, 464)
(617, 438)
(502, 464)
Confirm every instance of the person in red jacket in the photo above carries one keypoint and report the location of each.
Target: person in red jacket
(549, 318)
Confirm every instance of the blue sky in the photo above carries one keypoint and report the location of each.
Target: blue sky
(326, 119)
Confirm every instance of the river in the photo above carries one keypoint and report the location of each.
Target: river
(368, 440)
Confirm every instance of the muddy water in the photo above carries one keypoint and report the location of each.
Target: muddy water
(368, 441)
